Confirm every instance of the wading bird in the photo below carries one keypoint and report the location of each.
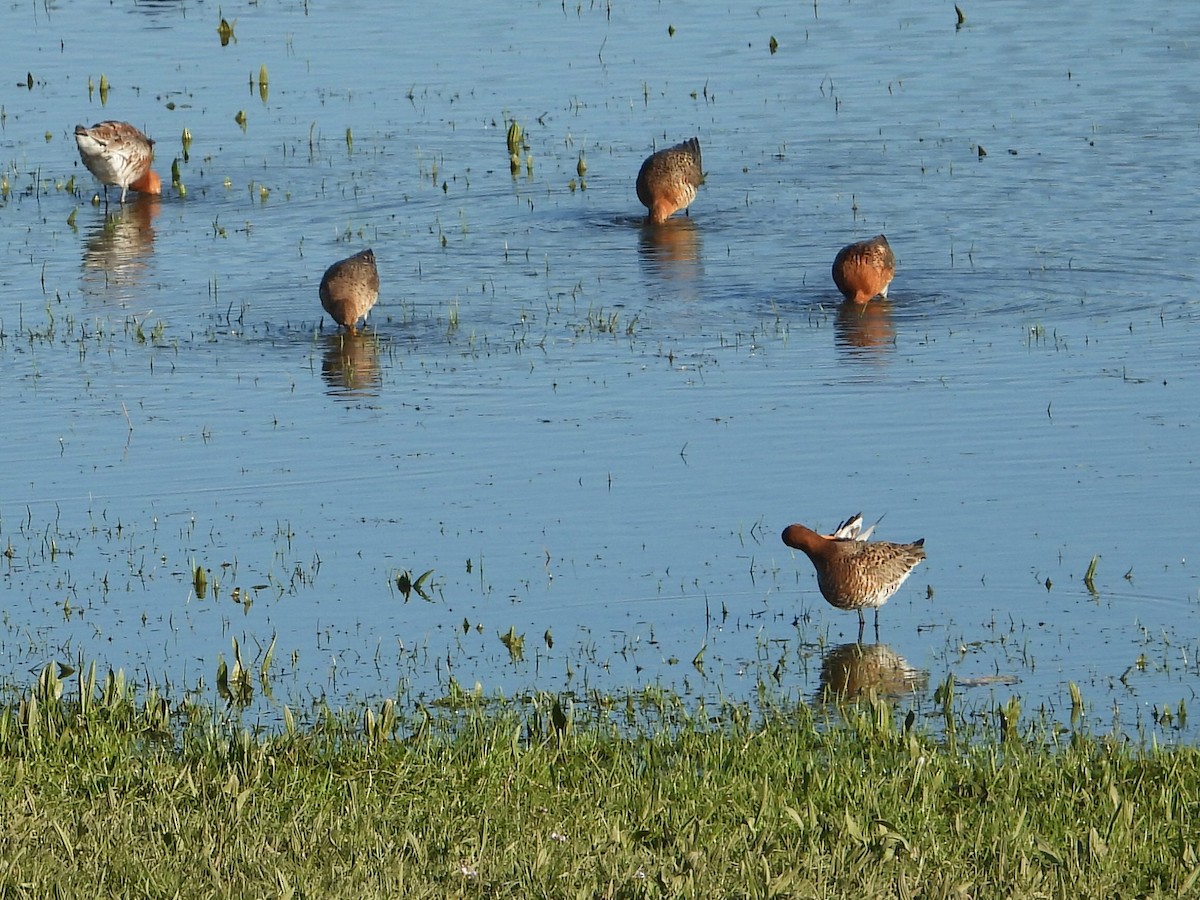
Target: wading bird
(864, 270)
(668, 180)
(350, 288)
(852, 572)
(118, 154)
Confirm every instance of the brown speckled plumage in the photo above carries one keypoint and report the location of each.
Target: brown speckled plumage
(852, 572)
(350, 288)
(118, 154)
(864, 270)
(668, 180)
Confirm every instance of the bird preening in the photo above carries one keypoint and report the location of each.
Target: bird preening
(852, 572)
(118, 154)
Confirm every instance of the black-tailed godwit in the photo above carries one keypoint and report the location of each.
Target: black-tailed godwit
(864, 270)
(668, 180)
(853, 573)
(118, 154)
(350, 288)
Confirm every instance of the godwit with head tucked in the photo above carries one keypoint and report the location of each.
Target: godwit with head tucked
(864, 270)
(853, 573)
(668, 180)
(118, 154)
(350, 288)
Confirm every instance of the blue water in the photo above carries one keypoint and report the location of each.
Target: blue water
(593, 433)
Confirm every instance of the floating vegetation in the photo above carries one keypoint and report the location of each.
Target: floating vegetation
(514, 643)
(515, 139)
(773, 45)
(200, 582)
(240, 118)
(1090, 575)
(407, 586)
(243, 598)
(234, 685)
(225, 31)
(103, 90)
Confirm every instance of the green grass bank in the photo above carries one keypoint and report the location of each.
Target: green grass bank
(108, 791)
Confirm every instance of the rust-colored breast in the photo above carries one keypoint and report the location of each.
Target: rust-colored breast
(668, 179)
(864, 270)
(854, 573)
(118, 154)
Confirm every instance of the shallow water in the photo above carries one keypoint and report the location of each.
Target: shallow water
(591, 432)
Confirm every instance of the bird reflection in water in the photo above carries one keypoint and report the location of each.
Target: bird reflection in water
(865, 330)
(350, 365)
(117, 251)
(671, 249)
(851, 670)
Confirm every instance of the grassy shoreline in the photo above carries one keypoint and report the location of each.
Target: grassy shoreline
(107, 794)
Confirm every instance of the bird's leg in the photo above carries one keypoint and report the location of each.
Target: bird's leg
(862, 623)
(877, 624)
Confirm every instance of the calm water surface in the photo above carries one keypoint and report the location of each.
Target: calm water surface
(590, 432)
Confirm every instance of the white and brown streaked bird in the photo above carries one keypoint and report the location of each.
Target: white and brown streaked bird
(863, 271)
(853, 573)
(668, 180)
(349, 288)
(118, 154)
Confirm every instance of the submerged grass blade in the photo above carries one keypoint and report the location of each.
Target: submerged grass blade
(1090, 575)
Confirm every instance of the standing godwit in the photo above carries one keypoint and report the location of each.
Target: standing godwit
(118, 154)
(864, 270)
(349, 288)
(852, 572)
(668, 180)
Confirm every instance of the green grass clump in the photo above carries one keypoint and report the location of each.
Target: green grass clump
(105, 795)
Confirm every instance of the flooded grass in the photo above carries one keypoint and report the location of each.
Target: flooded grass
(559, 422)
(118, 790)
